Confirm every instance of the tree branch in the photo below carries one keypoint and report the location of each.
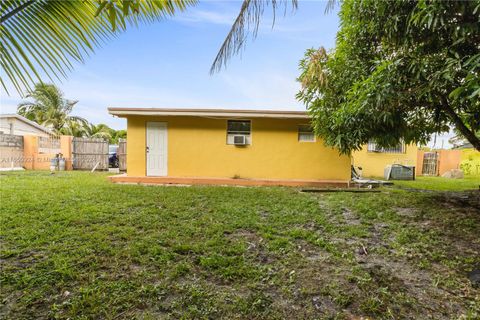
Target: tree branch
(467, 133)
(15, 11)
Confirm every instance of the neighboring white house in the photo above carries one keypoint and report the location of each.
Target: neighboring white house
(21, 126)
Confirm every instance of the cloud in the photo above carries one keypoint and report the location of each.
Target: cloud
(201, 16)
(226, 15)
(266, 89)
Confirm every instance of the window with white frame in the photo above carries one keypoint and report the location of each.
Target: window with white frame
(236, 128)
(373, 147)
(305, 133)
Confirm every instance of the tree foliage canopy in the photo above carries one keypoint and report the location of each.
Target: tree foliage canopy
(401, 70)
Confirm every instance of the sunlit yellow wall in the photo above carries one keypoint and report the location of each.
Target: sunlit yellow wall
(470, 162)
(374, 163)
(197, 148)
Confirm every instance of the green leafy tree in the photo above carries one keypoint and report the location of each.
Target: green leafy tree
(401, 70)
(49, 108)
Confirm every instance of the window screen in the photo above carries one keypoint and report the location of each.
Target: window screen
(306, 134)
(372, 147)
(238, 127)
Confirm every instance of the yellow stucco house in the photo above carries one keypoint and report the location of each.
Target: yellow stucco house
(246, 147)
(373, 159)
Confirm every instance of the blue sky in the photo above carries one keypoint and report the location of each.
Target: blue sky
(166, 64)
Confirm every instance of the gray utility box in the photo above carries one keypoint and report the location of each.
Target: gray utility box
(399, 172)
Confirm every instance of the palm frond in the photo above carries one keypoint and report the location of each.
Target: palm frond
(41, 38)
(73, 128)
(80, 120)
(120, 13)
(247, 21)
(99, 131)
(330, 5)
(49, 108)
(249, 17)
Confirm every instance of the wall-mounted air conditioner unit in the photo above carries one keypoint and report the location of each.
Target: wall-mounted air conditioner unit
(239, 140)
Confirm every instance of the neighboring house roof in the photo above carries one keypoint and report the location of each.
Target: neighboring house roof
(220, 113)
(25, 120)
(466, 145)
(460, 142)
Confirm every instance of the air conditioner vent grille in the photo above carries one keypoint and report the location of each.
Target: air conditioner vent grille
(239, 140)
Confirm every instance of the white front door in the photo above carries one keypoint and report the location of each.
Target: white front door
(156, 149)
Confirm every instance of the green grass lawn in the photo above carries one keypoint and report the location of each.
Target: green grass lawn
(74, 246)
(441, 184)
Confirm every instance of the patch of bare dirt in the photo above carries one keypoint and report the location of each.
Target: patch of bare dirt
(9, 302)
(309, 281)
(264, 214)
(324, 305)
(406, 212)
(401, 276)
(255, 245)
(458, 226)
(350, 217)
(468, 201)
(22, 260)
(311, 226)
(311, 252)
(243, 234)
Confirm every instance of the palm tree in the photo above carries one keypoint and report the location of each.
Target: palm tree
(44, 36)
(49, 108)
(74, 128)
(99, 131)
(119, 134)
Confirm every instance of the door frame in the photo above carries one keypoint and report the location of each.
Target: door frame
(164, 125)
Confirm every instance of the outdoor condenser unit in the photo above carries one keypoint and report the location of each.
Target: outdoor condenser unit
(399, 172)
